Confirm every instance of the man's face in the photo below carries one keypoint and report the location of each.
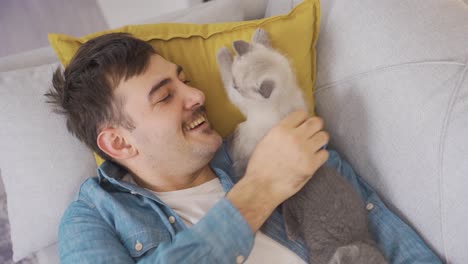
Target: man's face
(172, 134)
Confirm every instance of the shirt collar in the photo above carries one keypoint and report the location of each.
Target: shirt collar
(110, 170)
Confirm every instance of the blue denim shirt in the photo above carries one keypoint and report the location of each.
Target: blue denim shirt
(113, 221)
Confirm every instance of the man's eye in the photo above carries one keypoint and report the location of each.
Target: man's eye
(186, 81)
(166, 98)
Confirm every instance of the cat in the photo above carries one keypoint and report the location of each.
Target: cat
(327, 212)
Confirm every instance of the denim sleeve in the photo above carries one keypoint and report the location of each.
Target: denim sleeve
(223, 234)
(84, 237)
(399, 242)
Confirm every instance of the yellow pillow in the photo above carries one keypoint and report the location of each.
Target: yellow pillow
(194, 47)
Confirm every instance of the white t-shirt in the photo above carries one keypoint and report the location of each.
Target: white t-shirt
(193, 203)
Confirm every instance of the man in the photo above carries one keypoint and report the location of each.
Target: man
(164, 195)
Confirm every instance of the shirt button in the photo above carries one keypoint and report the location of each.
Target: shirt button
(133, 192)
(239, 259)
(171, 219)
(369, 206)
(138, 246)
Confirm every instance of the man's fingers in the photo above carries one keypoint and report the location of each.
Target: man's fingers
(319, 159)
(316, 161)
(319, 140)
(322, 156)
(311, 126)
(294, 119)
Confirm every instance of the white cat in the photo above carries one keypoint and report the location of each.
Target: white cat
(252, 91)
(327, 212)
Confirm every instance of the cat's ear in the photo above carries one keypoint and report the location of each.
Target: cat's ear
(241, 47)
(291, 222)
(345, 254)
(266, 88)
(261, 36)
(225, 60)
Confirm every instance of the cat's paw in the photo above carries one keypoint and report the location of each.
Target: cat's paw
(225, 60)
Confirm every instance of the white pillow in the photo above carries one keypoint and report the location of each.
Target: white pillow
(38, 137)
(42, 165)
(392, 86)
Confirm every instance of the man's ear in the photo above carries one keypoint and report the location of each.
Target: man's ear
(112, 142)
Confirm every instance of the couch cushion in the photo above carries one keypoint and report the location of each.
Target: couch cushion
(392, 86)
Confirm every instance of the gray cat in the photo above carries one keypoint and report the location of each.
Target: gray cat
(328, 213)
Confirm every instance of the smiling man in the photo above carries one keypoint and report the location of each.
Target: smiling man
(164, 193)
(169, 126)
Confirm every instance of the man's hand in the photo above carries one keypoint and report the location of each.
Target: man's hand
(283, 161)
(289, 155)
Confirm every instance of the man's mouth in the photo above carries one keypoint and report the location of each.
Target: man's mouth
(199, 120)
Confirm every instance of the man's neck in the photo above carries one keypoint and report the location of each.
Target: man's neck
(179, 183)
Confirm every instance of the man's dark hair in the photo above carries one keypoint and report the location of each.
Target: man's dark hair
(84, 91)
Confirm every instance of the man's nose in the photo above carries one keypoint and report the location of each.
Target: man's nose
(193, 97)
